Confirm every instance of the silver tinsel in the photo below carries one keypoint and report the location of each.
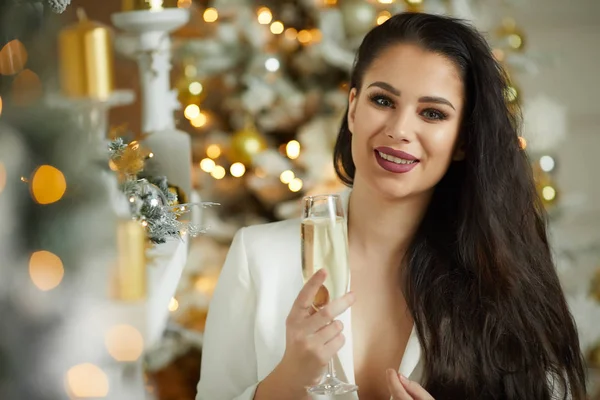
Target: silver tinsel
(58, 6)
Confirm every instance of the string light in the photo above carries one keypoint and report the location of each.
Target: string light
(150, 155)
(316, 35)
(190, 70)
(0, 105)
(272, 64)
(173, 304)
(304, 36)
(291, 33)
(192, 111)
(195, 88)
(287, 176)
(86, 381)
(184, 3)
(277, 28)
(13, 58)
(218, 172)
(124, 343)
(383, 16)
(292, 149)
(237, 169)
(48, 185)
(205, 284)
(548, 193)
(522, 143)
(200, 120)
(264, 16)
(207, 165)
(45, 270)
(499, 54)
(210, 14)
(547, 163)
(213, 151)
(295, 185)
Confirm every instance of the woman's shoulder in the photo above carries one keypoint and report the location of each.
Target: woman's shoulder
(271, 233)
(272, 247)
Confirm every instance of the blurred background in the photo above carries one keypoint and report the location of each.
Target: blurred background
(236, 102)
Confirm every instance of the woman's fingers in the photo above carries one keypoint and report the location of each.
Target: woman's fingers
(415, 390)
(328, 313)
(397, 390)
(307, 295)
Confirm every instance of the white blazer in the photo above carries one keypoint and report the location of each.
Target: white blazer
(244, 339)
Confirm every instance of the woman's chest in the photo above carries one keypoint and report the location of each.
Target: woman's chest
(381, 327)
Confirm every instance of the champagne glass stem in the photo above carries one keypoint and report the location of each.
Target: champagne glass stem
(330, 369)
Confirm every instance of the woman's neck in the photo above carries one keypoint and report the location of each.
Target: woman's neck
(382, 228)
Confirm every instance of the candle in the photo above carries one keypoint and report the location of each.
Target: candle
(152, 5)
(129, 275)
(86, 59)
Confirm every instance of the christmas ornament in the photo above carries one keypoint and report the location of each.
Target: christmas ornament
(190, 91)
(545, 186)
(510, 37)
(127, 159)
(246, 144)
(58, 6)
(151, 201)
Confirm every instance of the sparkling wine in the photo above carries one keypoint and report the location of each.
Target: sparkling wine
(325, 246)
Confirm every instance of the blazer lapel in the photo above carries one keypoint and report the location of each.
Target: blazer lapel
(345, 356)
(412, 354)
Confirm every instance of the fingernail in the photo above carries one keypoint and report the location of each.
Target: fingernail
(403, 379)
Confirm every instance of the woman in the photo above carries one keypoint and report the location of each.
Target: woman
(452, 276)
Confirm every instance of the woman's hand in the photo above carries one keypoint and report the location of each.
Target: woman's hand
(403, 389)
(312, 339)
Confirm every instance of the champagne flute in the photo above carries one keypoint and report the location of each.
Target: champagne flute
(325, 246)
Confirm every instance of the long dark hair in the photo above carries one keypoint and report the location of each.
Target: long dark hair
(479, 278)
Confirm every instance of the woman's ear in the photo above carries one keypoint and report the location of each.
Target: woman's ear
(352, 100)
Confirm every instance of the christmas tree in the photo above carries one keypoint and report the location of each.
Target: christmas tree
(263, 87)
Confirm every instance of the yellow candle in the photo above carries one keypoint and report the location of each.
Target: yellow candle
(152, 5)
(86, 59)
(129, 275)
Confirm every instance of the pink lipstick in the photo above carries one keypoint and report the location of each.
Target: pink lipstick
(391, 160)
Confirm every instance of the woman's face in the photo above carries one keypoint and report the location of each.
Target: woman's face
(405, 121)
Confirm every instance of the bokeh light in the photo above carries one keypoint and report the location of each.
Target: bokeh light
(48, 185)
(86, 381)
(13, 58)
(45, 270)
(124, 343)
(237, 169)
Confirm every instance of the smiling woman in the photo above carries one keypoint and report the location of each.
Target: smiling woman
(454, 293)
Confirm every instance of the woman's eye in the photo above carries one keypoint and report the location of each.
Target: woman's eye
(433, 114)
(382, 101)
